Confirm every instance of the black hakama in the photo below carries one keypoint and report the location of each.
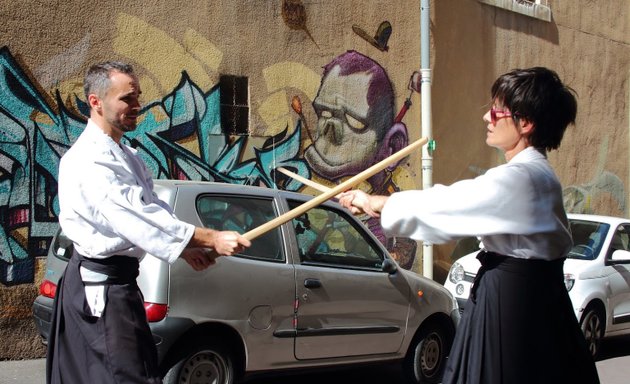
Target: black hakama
(519, 327)
(116, 347)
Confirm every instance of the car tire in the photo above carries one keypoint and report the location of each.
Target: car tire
(206, 364)
(426, 358)
(592, 325)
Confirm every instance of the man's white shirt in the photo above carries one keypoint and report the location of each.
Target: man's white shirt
(108, 207)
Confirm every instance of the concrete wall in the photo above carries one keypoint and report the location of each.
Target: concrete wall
(586, 42)
(180, 50)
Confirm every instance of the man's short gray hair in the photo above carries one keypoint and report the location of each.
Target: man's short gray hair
(96, 79)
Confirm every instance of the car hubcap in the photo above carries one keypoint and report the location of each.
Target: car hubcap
(430, 354)
(204, 368)
(592, 331)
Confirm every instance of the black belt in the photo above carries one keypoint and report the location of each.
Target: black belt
(119, 269)
(488, 261)
(491, 260)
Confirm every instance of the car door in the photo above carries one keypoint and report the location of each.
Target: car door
(619, 280)
(254, 291)
(346, 305)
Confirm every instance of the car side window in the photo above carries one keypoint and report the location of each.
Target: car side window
(242, 214)
(620, 241)
(326, 237)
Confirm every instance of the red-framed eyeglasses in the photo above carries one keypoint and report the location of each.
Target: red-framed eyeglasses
(498, 114)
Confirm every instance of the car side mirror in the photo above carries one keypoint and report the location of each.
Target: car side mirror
(620, 255)
(389, 266)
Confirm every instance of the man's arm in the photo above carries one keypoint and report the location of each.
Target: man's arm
(224, 243)
(206, 245)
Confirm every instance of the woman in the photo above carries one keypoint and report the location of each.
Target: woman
(519, 325)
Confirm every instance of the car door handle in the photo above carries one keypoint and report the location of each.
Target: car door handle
(312, 283)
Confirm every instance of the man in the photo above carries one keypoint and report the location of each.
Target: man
(108, 209)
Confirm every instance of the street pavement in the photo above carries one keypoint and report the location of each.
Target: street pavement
(613, 368)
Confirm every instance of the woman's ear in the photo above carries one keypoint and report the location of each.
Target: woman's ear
(526, 125)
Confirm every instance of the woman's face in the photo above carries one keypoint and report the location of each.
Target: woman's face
(503, 131)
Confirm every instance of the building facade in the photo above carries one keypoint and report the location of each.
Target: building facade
(234, 90)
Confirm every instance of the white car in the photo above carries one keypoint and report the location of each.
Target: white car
(596, 274)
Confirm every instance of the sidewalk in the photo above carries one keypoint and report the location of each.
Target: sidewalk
(614, 371)
(611, 371)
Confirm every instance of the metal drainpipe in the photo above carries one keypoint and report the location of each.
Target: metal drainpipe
(427, 157)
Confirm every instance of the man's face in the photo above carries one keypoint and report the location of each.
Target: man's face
(120, 105)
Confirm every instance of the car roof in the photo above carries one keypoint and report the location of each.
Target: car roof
(240, 189)
(614, 220)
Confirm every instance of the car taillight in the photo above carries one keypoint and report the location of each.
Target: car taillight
(48, 288)
(155, 312)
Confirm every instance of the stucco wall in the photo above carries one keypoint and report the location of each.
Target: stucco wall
(586, 43)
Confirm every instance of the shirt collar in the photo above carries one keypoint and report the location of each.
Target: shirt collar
(97, 134)
(528, 154)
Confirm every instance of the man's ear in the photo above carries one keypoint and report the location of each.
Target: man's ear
(94, 102)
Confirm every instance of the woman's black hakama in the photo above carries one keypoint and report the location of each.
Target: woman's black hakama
(520, 306)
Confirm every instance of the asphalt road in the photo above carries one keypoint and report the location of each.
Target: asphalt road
(613, 368)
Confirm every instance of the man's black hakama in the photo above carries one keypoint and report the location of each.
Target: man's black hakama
(514, 307)
(116, 347)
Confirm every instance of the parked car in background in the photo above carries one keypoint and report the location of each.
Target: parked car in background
(318, 291)
(596, 274)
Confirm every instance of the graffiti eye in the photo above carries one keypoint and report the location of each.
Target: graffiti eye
(354, 123)
(326, 114)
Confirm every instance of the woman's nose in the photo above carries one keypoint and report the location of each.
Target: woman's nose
(486, 117)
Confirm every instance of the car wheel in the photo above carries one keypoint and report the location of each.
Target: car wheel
(426, 358)
(592, 325)
(208, 364)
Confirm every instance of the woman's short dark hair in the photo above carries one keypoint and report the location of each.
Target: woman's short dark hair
(538, 95)
(96, 79)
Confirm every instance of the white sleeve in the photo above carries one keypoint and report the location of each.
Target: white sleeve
(124, 208)
(500, 201)
(146, 225)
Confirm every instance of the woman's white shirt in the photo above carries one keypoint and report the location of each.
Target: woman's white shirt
(516, 209)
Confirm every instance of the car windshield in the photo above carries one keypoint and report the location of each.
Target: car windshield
(588, 239)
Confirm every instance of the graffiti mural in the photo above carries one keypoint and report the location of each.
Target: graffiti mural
(356, 128)
(178, 137)
(32, 136)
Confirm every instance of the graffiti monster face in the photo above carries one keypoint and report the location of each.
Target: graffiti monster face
(348, 128)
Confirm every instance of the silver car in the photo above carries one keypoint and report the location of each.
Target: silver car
(318, 291)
